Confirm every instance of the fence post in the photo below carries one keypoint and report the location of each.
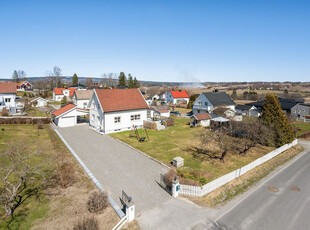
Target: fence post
(175, 187)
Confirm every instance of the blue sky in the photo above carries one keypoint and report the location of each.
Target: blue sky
(158, 40)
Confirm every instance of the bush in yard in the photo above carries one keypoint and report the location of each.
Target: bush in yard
(97, 201)
(88, 223)
(40, 125)
(4, 112)
(65, 173)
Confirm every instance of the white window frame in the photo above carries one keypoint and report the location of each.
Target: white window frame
(135, 117)
(8, 99)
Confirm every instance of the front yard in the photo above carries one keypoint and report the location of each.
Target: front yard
(166, 144)
(302, 127)
(51, 206)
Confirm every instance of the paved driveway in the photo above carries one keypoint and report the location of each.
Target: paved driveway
(118, 167)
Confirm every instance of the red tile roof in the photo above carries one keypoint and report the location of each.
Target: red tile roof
(120, 99)
(58, 91)
(202, 116)
(63, 110)
(179, 94)
(7, 87)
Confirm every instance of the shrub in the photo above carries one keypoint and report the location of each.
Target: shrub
(40, 125)
(3, 129)
(65, 175)
(4, 112)
(97, 201)
(88, 223)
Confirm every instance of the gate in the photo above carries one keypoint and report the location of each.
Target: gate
(165, 184)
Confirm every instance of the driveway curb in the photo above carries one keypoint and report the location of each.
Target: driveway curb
(116, 208)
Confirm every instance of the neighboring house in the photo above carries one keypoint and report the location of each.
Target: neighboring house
(68, 115)
(176, 97)
(7, 96)
(41, 102)
(286, 104)
(114, 110)
(60, 93)
(161, 111)
(207, 102)
(81, 98)
(300, 111)
(247, 110)
(24, 86)
(202, 119)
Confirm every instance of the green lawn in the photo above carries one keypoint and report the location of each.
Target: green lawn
(303, 126)
(35, 112)
(55, 103)
(30, 137)
(166, 144)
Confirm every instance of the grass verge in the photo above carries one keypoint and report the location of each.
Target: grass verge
(243, 183)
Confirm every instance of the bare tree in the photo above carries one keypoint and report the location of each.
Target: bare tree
(57, 73)
(18, 177)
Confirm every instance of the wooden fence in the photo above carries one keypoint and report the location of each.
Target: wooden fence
(189, 190)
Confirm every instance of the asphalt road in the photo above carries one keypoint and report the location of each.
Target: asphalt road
(263, 209)
(118, 167)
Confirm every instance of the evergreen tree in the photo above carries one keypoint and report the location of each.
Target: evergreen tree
(234, 94)
(75, 79)
(136, 83)
(274, 117)
(64, 100)
(15, 76)
(192, 99)
(130, 82)
(122, 81)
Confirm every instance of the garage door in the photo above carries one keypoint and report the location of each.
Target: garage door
(67, 121)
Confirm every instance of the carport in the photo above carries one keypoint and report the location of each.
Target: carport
(69, 115)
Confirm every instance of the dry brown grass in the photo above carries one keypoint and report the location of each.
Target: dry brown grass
(240, 185)
(133, 225)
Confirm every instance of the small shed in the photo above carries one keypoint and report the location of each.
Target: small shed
(41, 102)
(68, 115)
(202, 119)
(219, 121)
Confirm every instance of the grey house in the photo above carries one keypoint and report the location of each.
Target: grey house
(207, 102)
(300, 110)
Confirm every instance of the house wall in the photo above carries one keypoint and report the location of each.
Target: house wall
(96, 117)
(7, 96)
(205, 123)
(69, 118)
(58, 97)
(82, 104)
(299, 111)
(126, 123)
(41, 103)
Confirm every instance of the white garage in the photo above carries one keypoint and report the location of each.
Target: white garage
(39, 102)
(69, 115)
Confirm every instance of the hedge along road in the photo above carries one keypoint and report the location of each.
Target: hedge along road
(118, 167)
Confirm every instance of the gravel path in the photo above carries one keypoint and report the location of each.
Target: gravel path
(118, 167)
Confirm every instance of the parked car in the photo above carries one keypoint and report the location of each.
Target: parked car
(175, 113)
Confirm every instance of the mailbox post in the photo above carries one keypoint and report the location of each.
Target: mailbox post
(175, 187)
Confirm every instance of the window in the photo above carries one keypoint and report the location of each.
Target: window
(198, 110)
(199, 102)
(294, 111)
(135, 117)
(7, 99)
(93, 117)
(93, 104)
(85, 104)
(98, 120)
(206, 103)
(117, 119)
(148, 114)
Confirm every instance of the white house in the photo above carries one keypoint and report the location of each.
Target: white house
(207, 102)
(81, 98)
(60, 93)
(41, 102)
(247, 110)
(202, 119)
(161, 111)
(114, 110)
(7, 96)
(68, 115)
(155, 97)
(175, 97)
(24, 86)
